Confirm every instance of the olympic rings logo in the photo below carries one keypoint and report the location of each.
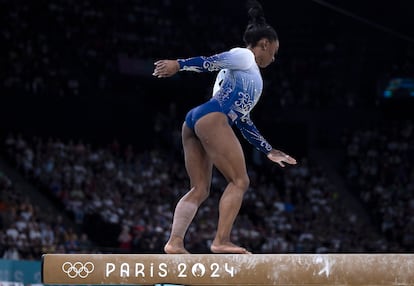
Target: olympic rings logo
(78, 269)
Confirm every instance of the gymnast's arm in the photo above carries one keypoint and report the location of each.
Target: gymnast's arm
(253, 136)
(235, 59)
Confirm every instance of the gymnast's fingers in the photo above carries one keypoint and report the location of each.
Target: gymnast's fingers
(290, 160)
(280, 163)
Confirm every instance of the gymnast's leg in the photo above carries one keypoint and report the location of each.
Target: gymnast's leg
(225, 151)
(199, 169)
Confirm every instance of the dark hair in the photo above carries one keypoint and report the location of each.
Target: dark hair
(257, 28)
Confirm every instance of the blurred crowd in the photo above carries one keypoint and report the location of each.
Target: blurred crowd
(130, 197)
(379, 169)
(27, 231)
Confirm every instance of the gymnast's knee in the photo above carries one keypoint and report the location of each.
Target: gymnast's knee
(242, 182)
(200, 193)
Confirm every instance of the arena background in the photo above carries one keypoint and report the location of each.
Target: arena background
(84, 126)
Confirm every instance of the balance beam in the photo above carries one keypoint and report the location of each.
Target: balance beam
(229, 269)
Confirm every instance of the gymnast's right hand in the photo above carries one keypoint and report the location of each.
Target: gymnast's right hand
(280, 157)
(165, 68)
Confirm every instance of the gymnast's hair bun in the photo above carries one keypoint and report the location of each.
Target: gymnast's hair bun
(255, 12)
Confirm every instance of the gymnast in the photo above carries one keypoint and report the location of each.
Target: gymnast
(207, 135)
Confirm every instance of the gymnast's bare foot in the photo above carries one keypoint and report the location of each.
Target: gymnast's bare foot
(227, 247)
(175, 247)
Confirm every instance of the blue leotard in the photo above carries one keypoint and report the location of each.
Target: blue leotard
(237, 89)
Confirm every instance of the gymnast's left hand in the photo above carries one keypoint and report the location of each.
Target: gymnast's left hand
(165, 68)
(280, 157)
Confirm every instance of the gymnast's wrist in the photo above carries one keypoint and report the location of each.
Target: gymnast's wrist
(180, 63)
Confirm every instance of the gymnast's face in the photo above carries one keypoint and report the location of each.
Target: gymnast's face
(265, 52)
